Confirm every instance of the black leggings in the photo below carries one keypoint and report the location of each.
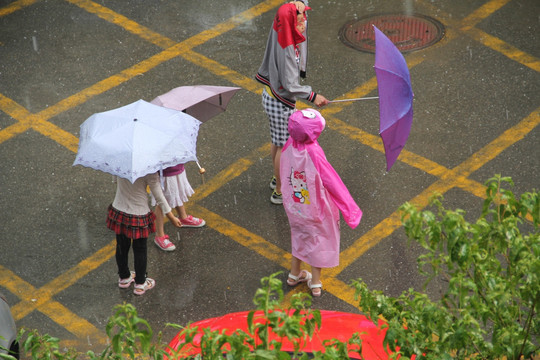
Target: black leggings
(123, 243)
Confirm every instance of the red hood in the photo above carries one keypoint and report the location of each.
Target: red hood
(285, 26)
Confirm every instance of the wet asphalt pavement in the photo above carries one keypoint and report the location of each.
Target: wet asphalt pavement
(477, 110)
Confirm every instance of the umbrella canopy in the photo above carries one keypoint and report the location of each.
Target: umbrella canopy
(137, 139)
(395, 97)
(200, 101)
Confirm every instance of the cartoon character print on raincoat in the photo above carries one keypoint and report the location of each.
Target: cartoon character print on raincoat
(313, 193)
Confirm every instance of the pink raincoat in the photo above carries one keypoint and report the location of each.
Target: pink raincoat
(313, 193)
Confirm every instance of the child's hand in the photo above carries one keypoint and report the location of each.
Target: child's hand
(176, 222)
(173, 219)
(320, 100)
(300, 6)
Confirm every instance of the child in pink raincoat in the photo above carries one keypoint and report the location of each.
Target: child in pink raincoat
(313, 196)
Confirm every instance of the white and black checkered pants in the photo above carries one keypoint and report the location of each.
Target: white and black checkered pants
(278, 117)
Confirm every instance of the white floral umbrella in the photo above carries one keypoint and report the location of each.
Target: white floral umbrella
(137, 139)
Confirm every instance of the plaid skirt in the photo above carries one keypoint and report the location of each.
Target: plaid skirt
(132, 226)
(278, 116)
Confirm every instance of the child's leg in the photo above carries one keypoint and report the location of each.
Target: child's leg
(123, 243)
(315, 283)
(160, 227)
(139, 256)
(295, 266)
(316, 275)
(275, 152)
(181, 210)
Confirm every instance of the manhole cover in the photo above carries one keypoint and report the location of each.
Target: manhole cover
(407, 32)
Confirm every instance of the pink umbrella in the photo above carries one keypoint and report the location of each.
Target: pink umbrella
(200, 101)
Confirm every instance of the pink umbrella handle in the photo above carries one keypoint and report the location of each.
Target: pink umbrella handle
(356, 99)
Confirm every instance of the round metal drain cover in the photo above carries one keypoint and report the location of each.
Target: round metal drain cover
(407, 32)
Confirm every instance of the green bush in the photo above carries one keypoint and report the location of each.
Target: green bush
(492, 271)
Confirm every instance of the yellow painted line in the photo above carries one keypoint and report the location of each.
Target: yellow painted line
(33, 301)
(388, 226)
(12, 131)
(17, 112)
(15, 6)
(248, 83)
(232, 23)
(504, 48)
(231, 172)
(55, 133)
(42, 299)
(339, 289)
(453, 178)
(110, 82)
(12, 108)
(73, 323)
(473, 187)
(89, 264)
(331, 285)
(18, 287)
(483, 12)
(126, 23)
(244, 237)
(501, 143)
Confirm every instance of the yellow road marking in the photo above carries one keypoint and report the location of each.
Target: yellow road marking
(483, 12)
(504, 48)
(244, 237)
(41, 299)
(15, 6)
(445, 183)
(124, 22)
(223, 71)
(232, 171)
(501, 143)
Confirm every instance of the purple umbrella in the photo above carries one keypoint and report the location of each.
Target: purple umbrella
(395, 97)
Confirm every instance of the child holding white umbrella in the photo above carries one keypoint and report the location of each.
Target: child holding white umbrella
(132, 220)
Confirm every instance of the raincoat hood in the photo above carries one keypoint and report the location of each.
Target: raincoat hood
(285, 25)
(305, 126)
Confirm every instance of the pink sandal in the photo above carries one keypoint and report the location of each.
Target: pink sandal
(148, 284)
(125, 283)
(294, 280)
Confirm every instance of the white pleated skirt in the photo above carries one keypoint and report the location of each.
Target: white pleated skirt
(177, 190)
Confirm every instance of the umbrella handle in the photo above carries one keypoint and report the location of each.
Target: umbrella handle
(356, 99)
(201, 169)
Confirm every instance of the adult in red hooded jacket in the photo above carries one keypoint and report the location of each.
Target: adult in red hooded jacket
(280, 73)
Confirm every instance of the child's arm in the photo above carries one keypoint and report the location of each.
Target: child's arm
(155, 188)
(340, 194)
